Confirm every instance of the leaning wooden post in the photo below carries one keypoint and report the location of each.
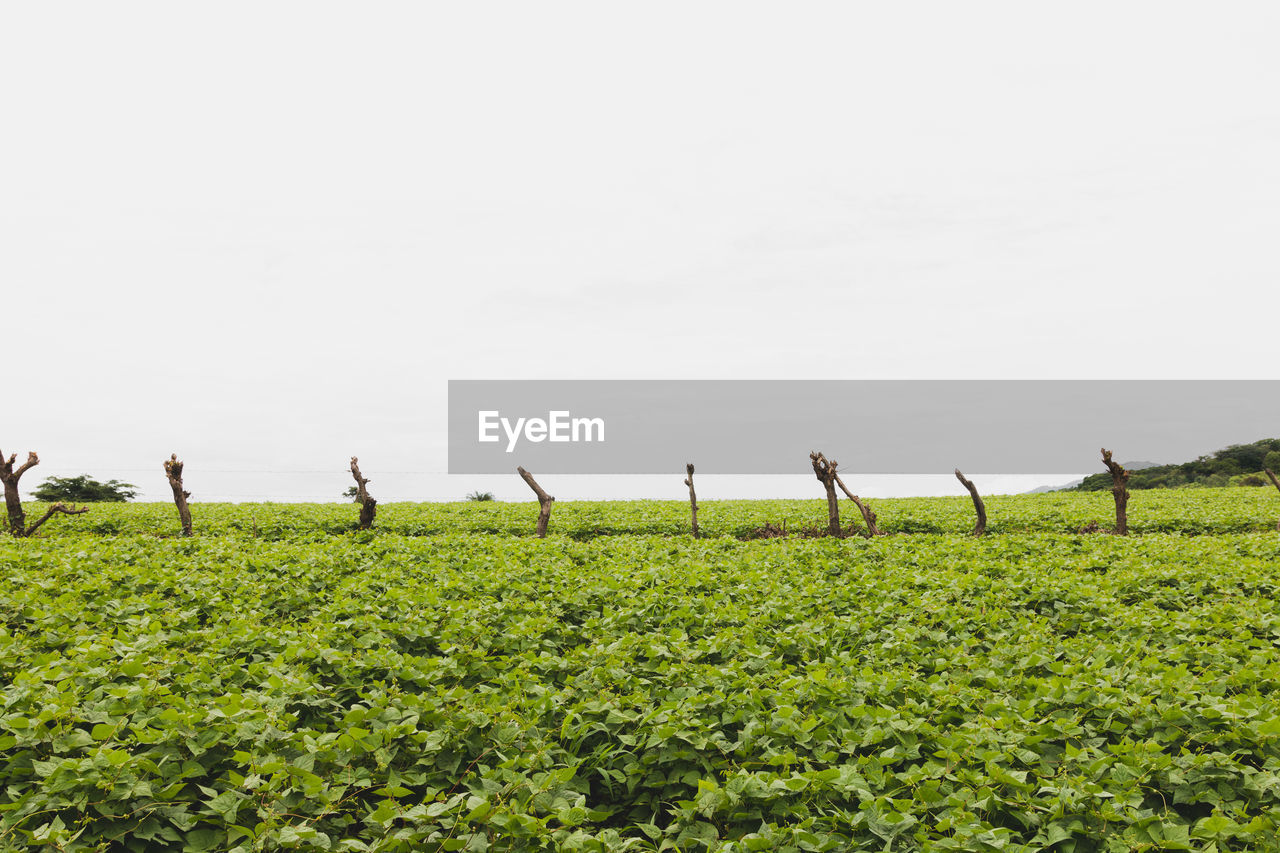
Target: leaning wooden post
(368, 506)
(693, 498)
(173, 470)
(868, 517)
(1272, 476)
(544, 502)
(826, 473)
(978, 506)
(1119, 489)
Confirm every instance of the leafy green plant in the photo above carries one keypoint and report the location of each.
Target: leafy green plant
(279, 684)
(480, 496)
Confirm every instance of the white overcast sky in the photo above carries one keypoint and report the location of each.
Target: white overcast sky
(265, 234)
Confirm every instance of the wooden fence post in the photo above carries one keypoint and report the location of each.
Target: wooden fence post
(173, 470)
(12, 499)
(693, 498)
(544, 502)
(978, 506)
(1119, 489)
(826, 473)
(368, 506)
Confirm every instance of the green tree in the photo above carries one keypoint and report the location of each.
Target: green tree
(1216, 469)
(83, 489)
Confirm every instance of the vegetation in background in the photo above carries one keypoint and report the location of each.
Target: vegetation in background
(83, 489)
(1239, 464)
(480, 496)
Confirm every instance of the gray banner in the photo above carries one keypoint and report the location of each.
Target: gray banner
(869, 426)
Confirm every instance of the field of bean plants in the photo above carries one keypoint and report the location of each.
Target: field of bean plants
(447, 681)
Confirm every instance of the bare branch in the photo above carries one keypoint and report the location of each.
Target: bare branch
(56, 508)
(544, 501)
(978, 505)
(368, 506)
(32, 461)
(693, 498)
(868, 517)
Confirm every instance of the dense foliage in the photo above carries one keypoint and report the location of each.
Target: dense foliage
(84, 489)
(283, 682)
(1221, 468)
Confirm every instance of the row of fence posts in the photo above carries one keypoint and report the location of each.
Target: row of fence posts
(825, 470)
(827, 473)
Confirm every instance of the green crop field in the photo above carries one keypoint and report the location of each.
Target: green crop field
(449, 682)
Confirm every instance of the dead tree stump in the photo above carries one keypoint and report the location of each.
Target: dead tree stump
(13, 499)
(173, 470)
(544, 502)
(978, 506)
(368, 506)
(826, 473)
(1271, 475)
(868, 517)
(1120, 490)
(693, 498)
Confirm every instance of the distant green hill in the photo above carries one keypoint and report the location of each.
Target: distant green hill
(1237, 465)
